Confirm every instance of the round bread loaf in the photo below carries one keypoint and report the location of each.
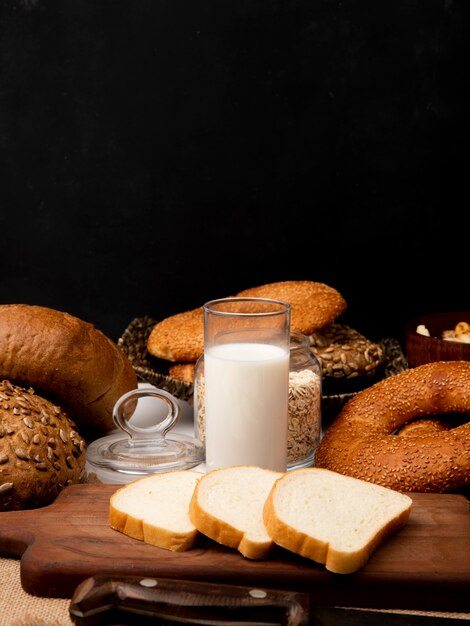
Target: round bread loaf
(180, 337)
(41, 451)
(66, 360)
(361, 441)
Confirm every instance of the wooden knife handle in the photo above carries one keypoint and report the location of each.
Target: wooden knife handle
(137, 601)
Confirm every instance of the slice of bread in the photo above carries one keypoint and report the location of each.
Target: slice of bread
(155, 509)
(227, 506)
(333, 519)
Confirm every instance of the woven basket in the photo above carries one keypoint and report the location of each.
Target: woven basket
(149, 369)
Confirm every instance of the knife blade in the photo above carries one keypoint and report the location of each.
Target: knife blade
(137, 601)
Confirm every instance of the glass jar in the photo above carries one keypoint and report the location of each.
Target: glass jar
(305, 381)
(304, 421)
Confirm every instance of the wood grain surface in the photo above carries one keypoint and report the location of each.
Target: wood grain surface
(426, 566)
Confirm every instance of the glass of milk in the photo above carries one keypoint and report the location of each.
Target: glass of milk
(246, 380)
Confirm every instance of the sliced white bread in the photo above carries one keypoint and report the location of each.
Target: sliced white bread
(333, 519)
(155, 509)
(227, 506)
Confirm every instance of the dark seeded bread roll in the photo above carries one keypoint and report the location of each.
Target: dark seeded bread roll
(66, 360)
(344, 353)
(41, 451)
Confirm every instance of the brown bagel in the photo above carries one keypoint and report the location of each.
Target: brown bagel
(360, 442)
(65, 359)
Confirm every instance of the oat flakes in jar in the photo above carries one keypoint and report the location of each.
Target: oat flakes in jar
(304, 421)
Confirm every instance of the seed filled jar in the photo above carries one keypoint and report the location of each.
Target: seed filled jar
(304, 419)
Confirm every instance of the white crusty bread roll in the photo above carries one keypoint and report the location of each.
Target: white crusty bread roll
(333, 519)
(227, 506)
(65, 359)
(155, 509)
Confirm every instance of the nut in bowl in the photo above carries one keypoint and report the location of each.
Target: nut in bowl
(438, 337)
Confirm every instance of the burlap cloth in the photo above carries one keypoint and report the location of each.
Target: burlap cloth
(18, 608)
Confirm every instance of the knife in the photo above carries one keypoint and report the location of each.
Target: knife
(138, 601)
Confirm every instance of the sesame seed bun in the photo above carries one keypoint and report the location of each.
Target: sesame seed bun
(182, 371)
(314, 305)
(180, 337)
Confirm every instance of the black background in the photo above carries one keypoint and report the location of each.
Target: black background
(156, 154)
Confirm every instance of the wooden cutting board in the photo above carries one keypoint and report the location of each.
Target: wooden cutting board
(426, 566)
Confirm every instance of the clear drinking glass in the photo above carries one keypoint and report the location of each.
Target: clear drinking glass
(305, 393)
(246, 382)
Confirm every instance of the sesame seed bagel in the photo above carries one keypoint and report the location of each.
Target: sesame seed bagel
(424, 426)
(180, 337)
(360, 442)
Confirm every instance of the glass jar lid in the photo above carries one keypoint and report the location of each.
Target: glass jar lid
(139, 451)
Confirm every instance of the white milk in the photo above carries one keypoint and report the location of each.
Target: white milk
(246, 405)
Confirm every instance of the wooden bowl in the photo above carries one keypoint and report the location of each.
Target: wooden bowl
(421, 349)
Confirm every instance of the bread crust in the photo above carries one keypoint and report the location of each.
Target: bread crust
(180, 337)
(138, 526)
(210, 526)
(219, 528)
(360, 442)
(41, 451)
(65, 359)
(320, 551)
(325, 548)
